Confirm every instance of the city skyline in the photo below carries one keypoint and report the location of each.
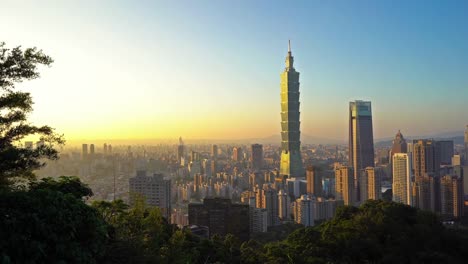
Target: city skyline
(404, 57)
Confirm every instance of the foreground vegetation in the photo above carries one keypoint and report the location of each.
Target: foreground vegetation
(51, 223)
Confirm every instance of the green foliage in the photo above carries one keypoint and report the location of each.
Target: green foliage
(376, 232)
(17, 65)
(64, 184)
(48, 226)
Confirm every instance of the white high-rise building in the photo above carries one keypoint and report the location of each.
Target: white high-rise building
(304, 210)
(402, 173)
(284, 203)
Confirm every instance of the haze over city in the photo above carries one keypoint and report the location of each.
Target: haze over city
(210, 69)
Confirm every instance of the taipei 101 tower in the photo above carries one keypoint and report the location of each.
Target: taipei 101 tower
(291, 161)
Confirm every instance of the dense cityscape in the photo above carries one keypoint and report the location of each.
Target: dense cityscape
(275, 184)
(173, 132)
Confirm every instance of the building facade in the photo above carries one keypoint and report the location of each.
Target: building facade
(314, 182)
(402, 178)
(155, 190)
(222, 217)
(361, 139)
(344, 185)
(291, 162)
(257, 156)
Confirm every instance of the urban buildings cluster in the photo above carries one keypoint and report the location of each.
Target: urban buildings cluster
(250, 188)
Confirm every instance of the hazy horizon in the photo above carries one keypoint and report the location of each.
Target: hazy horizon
(211, 69)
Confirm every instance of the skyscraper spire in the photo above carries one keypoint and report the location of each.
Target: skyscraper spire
(289, 58)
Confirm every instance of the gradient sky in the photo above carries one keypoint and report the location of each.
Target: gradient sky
(210, 69)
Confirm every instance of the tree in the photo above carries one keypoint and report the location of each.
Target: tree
(64, 184)
(48, 226)
(17, 65)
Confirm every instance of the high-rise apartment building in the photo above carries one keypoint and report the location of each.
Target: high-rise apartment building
(451, 197)
(258, 218)
(104, 147)
(402, 165)
(180, 150)
(91, 150)
(154, 189)
(304, 210)
(426, 165)
(84, 151)
(214, 152)
(284, 202)
(257, 156)
(314, 182)
(370, 184)
(222, 217)
(361, 139)
(344, 185)
(268, 198)
(237, 154)
(291, 162)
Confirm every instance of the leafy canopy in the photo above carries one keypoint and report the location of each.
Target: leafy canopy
(18, 65)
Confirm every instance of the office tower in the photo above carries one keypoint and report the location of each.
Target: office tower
(214, 152)
(361, 139)
(105, 148)
(426, 164)
(257, 156)
(399, 144)
(304, 210)
(214, 168)
(291, 161)
(451, 197)
(344, 185)
(466, 146)
(91, 149)
(402, 174)
(268, 198)
(237, 154)
(284, 202)
(222, 217)
(84, 151)
(324, 209)
(258, 218)
(314, 182)
(370, 184)
(109, 149)
(446, 151)
(154, 189)
(180, 150)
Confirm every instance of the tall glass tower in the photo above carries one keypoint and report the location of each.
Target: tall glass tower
(291, 161)
(361, 139)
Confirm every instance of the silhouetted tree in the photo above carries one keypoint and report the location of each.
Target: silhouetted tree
(17, 65)
(48, 225)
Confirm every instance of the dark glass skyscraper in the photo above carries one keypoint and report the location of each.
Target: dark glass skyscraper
(466, 146)
(291, 161)
(361, 139)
